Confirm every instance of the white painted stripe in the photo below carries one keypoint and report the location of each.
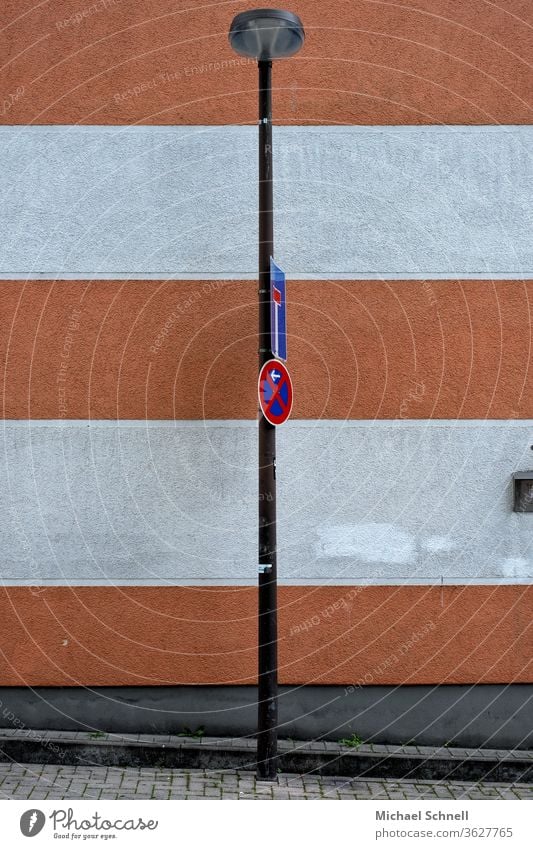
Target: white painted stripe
(245, 275)
(292, 424)
(188, 131)
(367, 580)
(351, 201)
(176, 502)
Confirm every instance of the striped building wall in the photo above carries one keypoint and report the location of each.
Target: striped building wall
(128, 214)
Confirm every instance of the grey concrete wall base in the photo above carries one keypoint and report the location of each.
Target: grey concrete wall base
(294, 757)
(491, 716)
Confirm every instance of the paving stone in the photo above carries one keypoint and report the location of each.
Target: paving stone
(23, 781)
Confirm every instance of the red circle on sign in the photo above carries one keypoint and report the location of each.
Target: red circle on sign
(275, 392)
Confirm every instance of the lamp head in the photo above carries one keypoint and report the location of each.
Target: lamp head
(266, 34)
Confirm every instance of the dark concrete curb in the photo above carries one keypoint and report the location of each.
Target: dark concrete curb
(172, 752)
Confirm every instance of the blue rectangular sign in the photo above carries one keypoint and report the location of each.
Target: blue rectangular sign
(278, 312)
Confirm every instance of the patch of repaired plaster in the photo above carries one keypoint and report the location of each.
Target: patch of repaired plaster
(372, 542)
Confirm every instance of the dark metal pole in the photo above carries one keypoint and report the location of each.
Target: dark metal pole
(267, 734)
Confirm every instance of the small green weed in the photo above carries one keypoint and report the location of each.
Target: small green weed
(188, 732)
(352, 742)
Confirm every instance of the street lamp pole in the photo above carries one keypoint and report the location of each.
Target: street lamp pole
(265, 35)
(267, 733)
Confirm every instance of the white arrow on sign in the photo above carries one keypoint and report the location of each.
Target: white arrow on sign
(275, 375)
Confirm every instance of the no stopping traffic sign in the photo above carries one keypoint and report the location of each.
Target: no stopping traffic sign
(275, 392)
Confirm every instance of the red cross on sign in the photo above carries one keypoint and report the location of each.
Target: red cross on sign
(275, 392)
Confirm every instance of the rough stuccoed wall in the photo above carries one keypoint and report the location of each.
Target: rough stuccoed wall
(157, 635)
(414, 62)
(166, 502)
(106, 501)
(429, 200)
(173, 349)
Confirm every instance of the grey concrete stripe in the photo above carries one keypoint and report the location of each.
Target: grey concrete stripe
(472, 715)
(172, 502)
(351, 201)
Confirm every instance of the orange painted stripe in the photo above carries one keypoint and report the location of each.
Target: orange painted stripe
(329, 635)
(367, 62)
(357, 349)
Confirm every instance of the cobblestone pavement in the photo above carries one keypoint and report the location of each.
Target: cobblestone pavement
(29, 781)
